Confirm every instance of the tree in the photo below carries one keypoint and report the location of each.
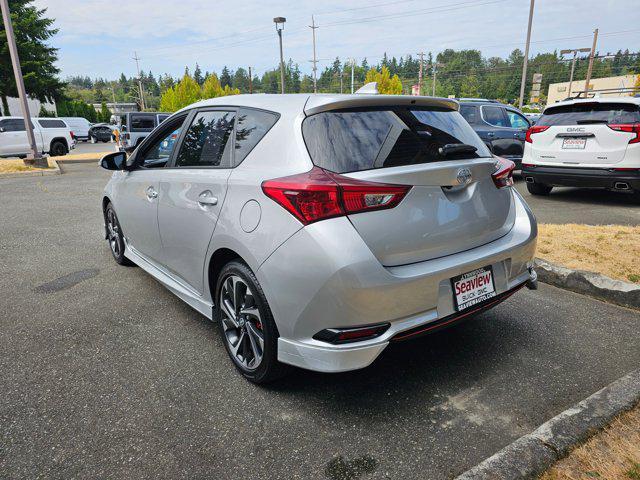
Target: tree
(33, 32)
(225, 77)
(211, 87)
(387, 84)
(105, 113)
(197, 75)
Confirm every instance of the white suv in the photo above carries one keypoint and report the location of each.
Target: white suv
(592, 142)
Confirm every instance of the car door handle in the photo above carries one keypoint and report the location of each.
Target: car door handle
(151, 193)
(490, 134)
(207, 198)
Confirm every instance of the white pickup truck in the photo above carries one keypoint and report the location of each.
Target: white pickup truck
(53, 136)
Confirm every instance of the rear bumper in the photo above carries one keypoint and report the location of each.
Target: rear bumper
(325, 276)
(581, 177)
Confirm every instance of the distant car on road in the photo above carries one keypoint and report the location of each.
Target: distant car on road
(79, 126)
(135, 126)
(533, 117)
(52, 136)
(592, 142)
(100, 132)
(502, 127)
(318, 229)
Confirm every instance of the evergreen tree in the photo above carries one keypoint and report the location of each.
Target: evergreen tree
(105, 113)
(225, 77)
(33, 32)
(197, 75)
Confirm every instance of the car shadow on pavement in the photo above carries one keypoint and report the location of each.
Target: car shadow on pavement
(591, 196)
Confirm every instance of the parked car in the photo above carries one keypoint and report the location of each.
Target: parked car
(592, 142)
(135, 126)
(533, 117)
(52, 136)
(100, 132)
(502, 127)
(317, 229)
(79, 126)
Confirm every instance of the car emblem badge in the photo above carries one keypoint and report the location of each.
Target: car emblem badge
(463, 176)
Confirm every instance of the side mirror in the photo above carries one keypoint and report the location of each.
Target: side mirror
(114, 161)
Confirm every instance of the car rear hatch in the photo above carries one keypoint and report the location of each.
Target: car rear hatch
(584, 133)
(453, 203)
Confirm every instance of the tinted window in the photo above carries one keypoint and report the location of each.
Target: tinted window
(493, 116)
(140, 123)
(516, 120)
(158, 152)
(13, 125)
(252, 125)
(162, 118)
(348, 141)
(52, 124)
(470, 113)
(206, 140)
(585, 113)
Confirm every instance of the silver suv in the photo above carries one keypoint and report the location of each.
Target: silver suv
(317, 229)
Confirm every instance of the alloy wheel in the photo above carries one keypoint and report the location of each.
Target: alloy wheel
(113, 231)
(241, 322)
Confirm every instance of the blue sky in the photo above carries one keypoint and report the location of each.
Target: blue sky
(169, 34)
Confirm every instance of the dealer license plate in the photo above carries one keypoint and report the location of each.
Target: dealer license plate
(574, 143)
(472, 288)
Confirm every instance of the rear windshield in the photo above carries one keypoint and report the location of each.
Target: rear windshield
(586, 113)
(353, 140)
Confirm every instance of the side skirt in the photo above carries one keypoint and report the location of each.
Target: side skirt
(183, 292)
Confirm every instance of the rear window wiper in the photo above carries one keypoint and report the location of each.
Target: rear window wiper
(586, 122)
(453, 148)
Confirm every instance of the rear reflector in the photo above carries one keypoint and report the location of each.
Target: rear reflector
(319, 194)
(533, 130)
(628, 128)
(348, 335)
(503, 176)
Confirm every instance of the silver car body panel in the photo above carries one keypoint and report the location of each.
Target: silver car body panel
(330, 273)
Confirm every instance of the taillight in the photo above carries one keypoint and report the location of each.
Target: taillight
(72, 136)
(503, 175)
(319, 194)
(347, 335)
(628, 128)
(533, 130)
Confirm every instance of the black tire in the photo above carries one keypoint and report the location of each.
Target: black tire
(58, 148)
(539, 189)
(115, 236)
(104, 141)
(268, 369)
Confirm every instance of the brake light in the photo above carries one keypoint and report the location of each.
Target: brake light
(72, 135)
(319, 194)
(533, 130)
(503, 176)
(628, 128)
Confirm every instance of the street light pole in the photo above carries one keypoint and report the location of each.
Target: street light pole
(523, 81)
(36, 157)
(279, 21)
(315, 60)
(353, 65)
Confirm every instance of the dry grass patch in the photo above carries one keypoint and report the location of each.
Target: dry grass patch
(613, 454)
(17, 165)
(613, 250)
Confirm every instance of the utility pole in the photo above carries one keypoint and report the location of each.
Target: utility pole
(315, 60)
(250, 82)
(137, 59)
(573, 62)
(434, 68)
(421, 55)
(590, 69)
(35, 158)
(341, 78)
(279, 21)
(523, 81)
(353, 66)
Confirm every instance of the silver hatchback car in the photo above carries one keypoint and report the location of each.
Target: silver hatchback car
(317, 229)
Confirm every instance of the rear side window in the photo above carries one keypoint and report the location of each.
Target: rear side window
(206, 143)
(251, 127)
(52, 124)
(13, 125)
(470, 113)
(350, 141)
(586, 113)
(142, 123)
(516, 120)
(494, 116)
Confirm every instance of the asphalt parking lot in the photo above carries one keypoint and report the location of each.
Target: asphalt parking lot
(107, 374)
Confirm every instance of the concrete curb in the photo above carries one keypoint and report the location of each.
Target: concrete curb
(531, 455)
(589, 283)
(40, 173)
